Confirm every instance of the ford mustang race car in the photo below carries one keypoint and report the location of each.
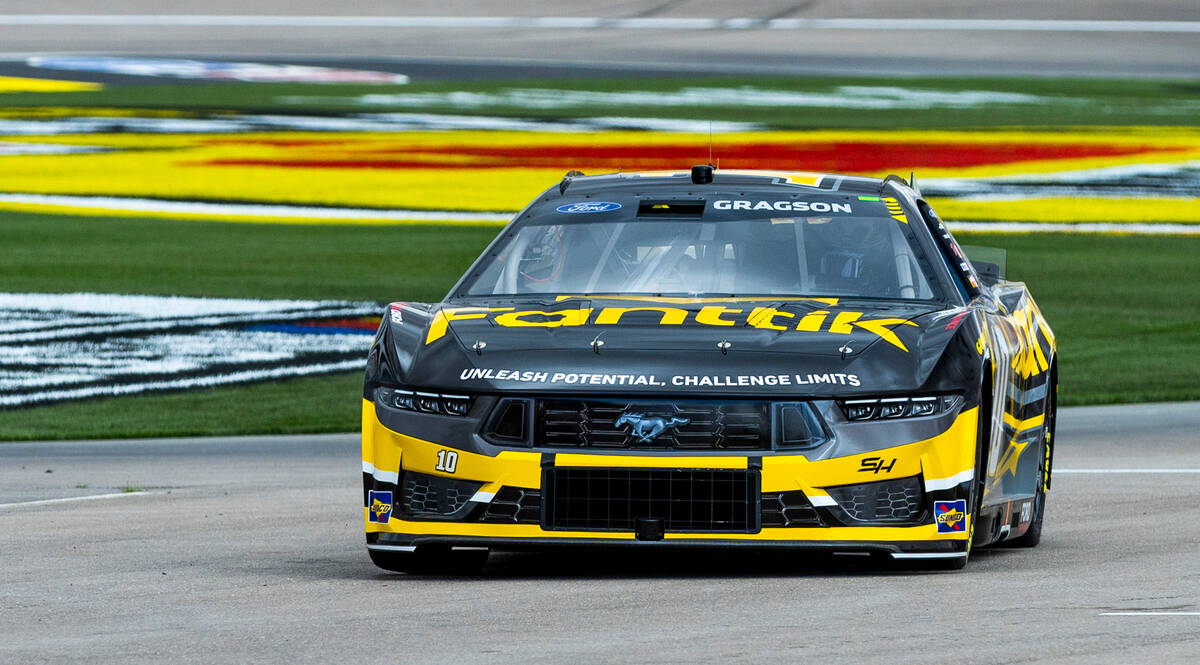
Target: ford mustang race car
(712, 359)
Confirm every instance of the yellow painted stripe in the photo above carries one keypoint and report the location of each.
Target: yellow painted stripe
(1178, 210)
(22, 84)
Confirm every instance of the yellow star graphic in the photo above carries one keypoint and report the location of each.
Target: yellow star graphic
(1008, 462)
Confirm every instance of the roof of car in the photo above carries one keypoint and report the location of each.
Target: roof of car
(658, 181)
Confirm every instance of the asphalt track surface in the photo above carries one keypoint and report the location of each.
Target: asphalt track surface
(296, 31)
(250, 550)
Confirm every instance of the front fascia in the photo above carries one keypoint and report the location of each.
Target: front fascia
(943, 462)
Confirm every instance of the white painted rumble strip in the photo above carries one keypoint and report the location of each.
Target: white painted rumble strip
(90, 497)
(1054, 227)
(1149, 614)
(1058, 471)
(276, 212)
(601, 23)
(248, 209)
(392, 477)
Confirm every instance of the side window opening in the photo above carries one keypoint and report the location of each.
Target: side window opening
(956, 260)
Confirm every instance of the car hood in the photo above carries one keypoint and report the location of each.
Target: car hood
(656, 346)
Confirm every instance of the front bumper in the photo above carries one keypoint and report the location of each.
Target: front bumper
(942, 466)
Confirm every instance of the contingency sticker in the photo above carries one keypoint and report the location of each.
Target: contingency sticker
(380, 510)
(950, 516)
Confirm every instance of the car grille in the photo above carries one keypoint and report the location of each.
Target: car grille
(714, 500)
(900, 500)
(422, 494)
(515, 505)
(788, 509)
(689, 424)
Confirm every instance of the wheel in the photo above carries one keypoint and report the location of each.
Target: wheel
(431, 560)
(1033, 535)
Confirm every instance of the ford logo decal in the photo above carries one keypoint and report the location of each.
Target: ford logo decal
(589, 206)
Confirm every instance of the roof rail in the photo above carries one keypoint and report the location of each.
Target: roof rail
(890, 178)
(566, 181)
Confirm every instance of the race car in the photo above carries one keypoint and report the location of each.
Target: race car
(712, 358)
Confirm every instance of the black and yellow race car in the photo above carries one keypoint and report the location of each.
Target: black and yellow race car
(703, 359)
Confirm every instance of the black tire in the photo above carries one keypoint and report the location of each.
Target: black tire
(431, 560)
(1033, 535)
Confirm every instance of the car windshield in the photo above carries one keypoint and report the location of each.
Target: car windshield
(843, 256)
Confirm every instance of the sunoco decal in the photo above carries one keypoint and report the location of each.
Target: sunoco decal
(588, 207)
(60, 347)
(380, 510)
(950, 516)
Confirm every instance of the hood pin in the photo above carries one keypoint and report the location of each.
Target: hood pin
(479, 346)
(724, 345)
(845, 350)
(597, 343)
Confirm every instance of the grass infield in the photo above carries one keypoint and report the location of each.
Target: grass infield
(1125, 309)
(1083, 102)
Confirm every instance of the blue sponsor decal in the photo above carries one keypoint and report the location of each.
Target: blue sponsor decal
(950, 516)
(380, 508)
(589, 206)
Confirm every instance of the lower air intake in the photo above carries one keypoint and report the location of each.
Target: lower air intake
(709, 500)
(788, 509)
(515, 505)
(900, 500)
(421, 494)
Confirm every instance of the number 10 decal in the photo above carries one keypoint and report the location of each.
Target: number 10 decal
(447, 461)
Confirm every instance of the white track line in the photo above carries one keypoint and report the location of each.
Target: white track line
(90, 497)
(277, 211)
(600, 23)
(274, 211)
(1131, 228)
(1149, 614)
(1058, 471)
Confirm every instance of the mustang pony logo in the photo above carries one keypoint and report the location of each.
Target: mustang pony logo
(647, 428)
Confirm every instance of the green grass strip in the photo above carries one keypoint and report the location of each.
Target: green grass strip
(1085, 102)
(1125, 309)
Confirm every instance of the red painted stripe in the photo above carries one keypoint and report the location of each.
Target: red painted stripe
(368, 323)
(828, 156)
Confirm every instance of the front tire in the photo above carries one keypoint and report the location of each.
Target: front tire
(431, 560)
